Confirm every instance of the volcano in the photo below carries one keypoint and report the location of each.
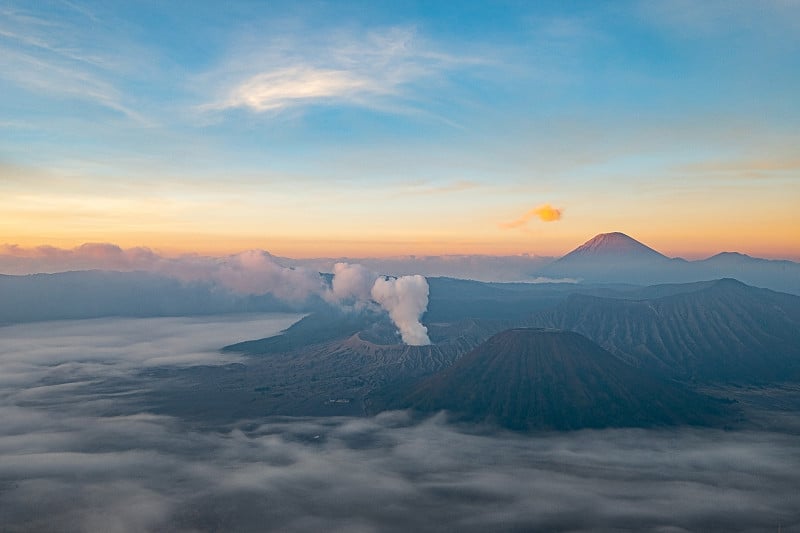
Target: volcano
(539, 379)
(616, 258)
(613, 244)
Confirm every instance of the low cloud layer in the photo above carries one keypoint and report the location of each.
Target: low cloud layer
(20, 260)
(544, 212)
(256, 272)
(250, 272)
(79, 452)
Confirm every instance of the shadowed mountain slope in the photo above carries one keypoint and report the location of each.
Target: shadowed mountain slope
(721, 331)
(527, 379)
(326, 364)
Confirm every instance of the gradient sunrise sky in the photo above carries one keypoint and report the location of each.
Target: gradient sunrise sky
(383, 128)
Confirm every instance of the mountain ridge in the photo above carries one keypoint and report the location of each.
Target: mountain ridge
(618, 258)
(547, 379)
(719, 331)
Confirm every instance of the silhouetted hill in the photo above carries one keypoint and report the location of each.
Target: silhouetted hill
(529, 379)
(779, 275)
(721, 331)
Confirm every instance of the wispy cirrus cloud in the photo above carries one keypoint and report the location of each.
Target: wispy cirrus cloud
(375, 69)
(51, 54)
(294, 85)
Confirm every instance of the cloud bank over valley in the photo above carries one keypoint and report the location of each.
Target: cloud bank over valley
(78, 442)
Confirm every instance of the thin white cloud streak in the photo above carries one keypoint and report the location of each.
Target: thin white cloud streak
(42, 44)
(53, 56)
(42, 75)
(274, 90)
(375, 69)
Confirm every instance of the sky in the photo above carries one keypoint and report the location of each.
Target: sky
(370, 129)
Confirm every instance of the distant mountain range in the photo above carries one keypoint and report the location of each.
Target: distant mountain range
(528, 379)
(613, 350)
(719, 331)
(618, 258)
(608, 356)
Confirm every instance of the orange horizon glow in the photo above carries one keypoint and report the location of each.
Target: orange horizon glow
(219, 246)
(386, 140)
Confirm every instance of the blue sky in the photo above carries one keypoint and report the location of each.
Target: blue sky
(375, 128)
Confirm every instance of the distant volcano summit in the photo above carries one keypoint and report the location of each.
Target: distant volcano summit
(613, 244)
(617, 258)
(613, 257)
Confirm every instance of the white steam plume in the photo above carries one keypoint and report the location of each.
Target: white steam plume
(405, 298)
(252, 272)
(352, 284)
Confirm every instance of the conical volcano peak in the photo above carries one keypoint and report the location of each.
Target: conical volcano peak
(615, 243)
(530, 379)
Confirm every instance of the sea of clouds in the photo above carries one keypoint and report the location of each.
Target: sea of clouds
(79, 453)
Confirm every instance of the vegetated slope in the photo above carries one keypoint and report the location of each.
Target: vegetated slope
(722, 331)
(528, 379)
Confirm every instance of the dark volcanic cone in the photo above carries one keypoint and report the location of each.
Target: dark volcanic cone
(546, 379)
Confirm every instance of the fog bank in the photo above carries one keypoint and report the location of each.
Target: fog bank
(78, 453)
